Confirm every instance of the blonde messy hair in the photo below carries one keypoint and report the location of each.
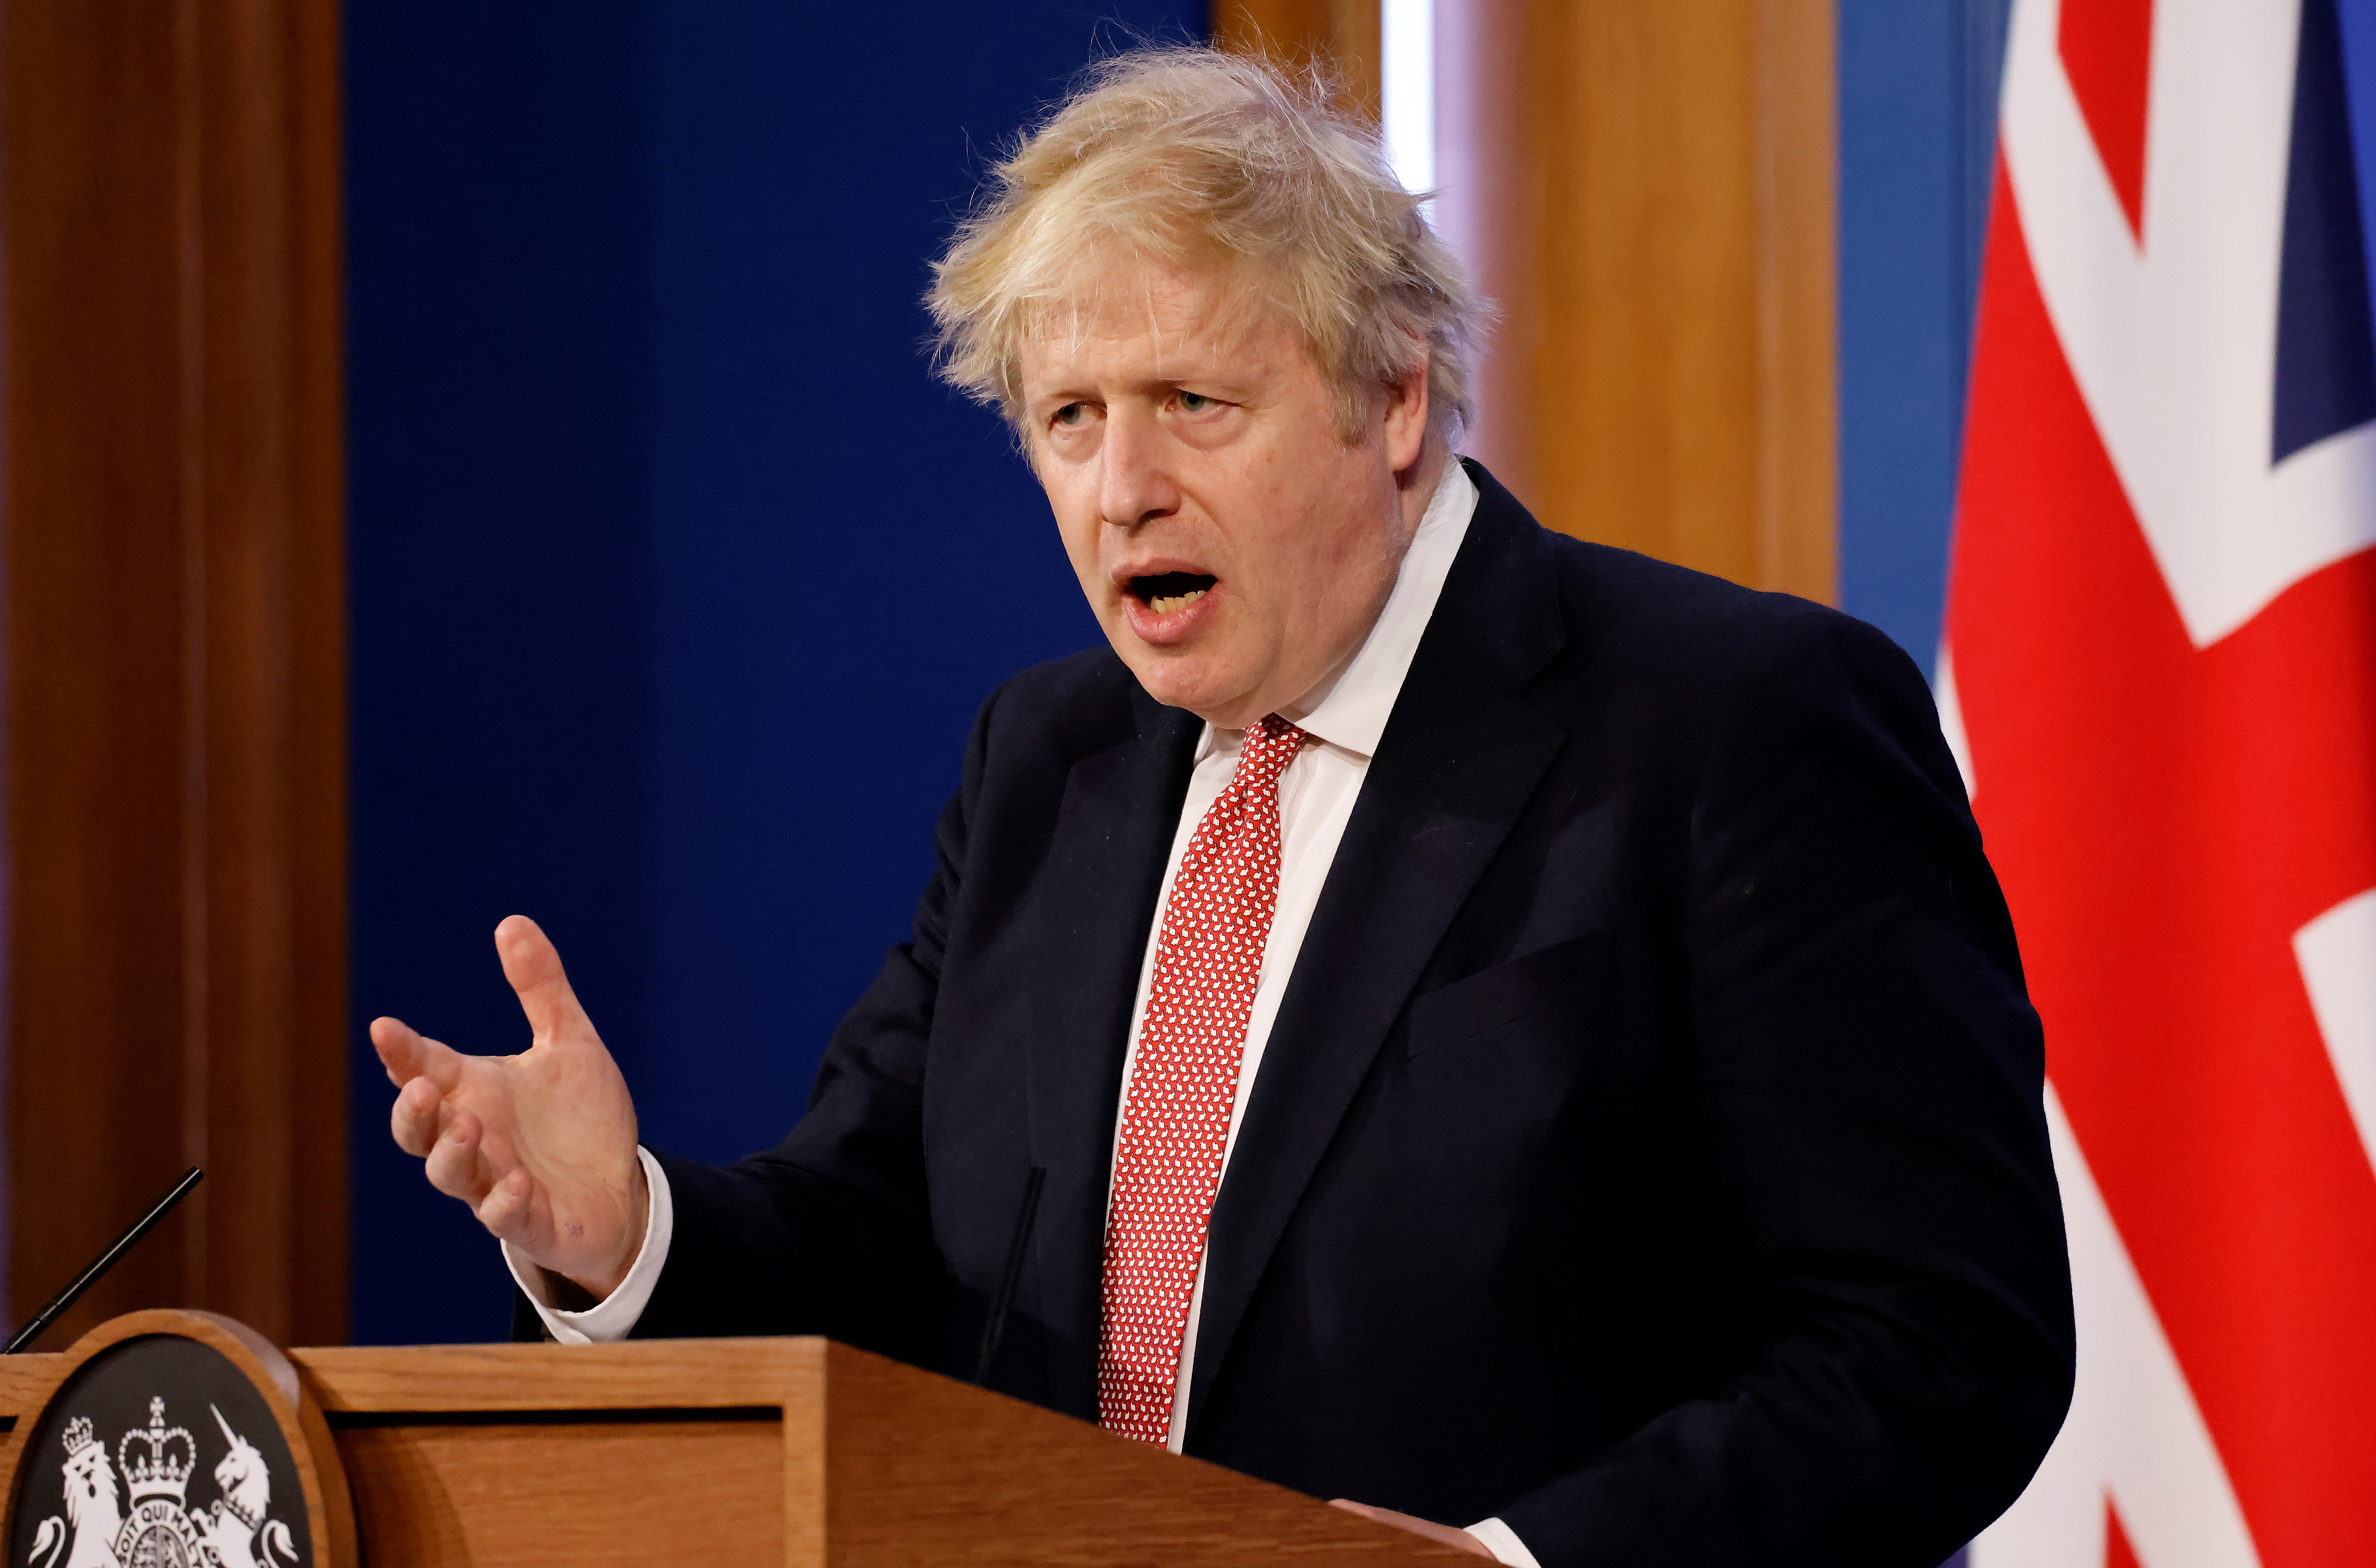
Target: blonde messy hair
(1191, 156)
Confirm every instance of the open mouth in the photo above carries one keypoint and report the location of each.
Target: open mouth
(1166, 591)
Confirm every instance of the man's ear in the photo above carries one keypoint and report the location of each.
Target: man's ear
(1406, 416)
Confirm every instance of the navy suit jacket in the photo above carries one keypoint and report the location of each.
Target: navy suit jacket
(1649, 1148)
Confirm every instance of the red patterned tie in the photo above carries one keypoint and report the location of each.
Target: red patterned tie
(1183, 1082)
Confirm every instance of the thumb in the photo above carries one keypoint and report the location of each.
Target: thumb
(533, 966)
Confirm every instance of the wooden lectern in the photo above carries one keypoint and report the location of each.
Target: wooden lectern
(759, 1451)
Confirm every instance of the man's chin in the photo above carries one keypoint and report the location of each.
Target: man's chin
(1197, 682)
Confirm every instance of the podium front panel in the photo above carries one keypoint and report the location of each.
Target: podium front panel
(797, 1452)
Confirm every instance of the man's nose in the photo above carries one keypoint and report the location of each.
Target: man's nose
(1134, 477)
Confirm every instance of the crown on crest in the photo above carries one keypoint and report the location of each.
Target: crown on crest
(78, 1437)
(168, 1457)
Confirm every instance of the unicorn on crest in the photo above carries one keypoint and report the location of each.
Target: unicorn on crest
(230, 1530)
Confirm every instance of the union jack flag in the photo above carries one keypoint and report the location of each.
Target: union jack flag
(2160, 675)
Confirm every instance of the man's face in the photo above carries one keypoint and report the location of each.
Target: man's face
(1234, 547)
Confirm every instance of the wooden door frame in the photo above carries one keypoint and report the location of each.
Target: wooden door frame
(175, 604)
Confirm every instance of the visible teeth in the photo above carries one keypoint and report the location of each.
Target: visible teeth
(1170, 602)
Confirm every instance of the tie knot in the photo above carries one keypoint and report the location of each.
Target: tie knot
(1269, 746)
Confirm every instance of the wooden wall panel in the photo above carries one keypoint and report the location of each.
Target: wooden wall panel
(1652, 207)
(1645, 187)
(1798, 294)
(1341, 33)
(175, 726)
(1637, 382)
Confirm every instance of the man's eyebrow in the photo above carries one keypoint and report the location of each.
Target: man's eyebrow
(1217, 369)
(1219, 378)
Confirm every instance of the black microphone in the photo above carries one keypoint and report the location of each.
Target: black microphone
(66, 1298)
(996, 1329)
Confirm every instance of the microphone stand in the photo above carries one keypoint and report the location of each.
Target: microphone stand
(24, 1337)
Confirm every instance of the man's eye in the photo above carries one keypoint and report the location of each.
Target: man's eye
(1194, 403)
(1071, 414)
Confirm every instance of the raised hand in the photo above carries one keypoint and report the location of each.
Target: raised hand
(542, 1145)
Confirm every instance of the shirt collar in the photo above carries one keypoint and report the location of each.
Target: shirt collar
(1348, 709)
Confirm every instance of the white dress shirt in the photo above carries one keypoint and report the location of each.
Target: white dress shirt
(1344, 717)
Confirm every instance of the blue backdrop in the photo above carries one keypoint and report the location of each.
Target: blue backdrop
(1917, 89)
(676, 580)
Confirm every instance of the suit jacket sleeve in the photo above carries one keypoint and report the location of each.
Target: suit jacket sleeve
(1869, 1076)
(828, 1232)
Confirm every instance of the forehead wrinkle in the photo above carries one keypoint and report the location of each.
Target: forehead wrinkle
(1174, 311)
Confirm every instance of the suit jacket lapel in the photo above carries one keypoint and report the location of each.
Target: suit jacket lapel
(1104, 868)
(1459, 759)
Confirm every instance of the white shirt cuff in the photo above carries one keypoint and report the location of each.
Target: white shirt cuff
(614, 1316)
(1504, 1543)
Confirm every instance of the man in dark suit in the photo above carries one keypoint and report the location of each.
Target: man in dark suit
(1444, 1014)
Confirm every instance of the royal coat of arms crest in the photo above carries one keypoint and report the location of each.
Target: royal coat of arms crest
(133, 1510)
